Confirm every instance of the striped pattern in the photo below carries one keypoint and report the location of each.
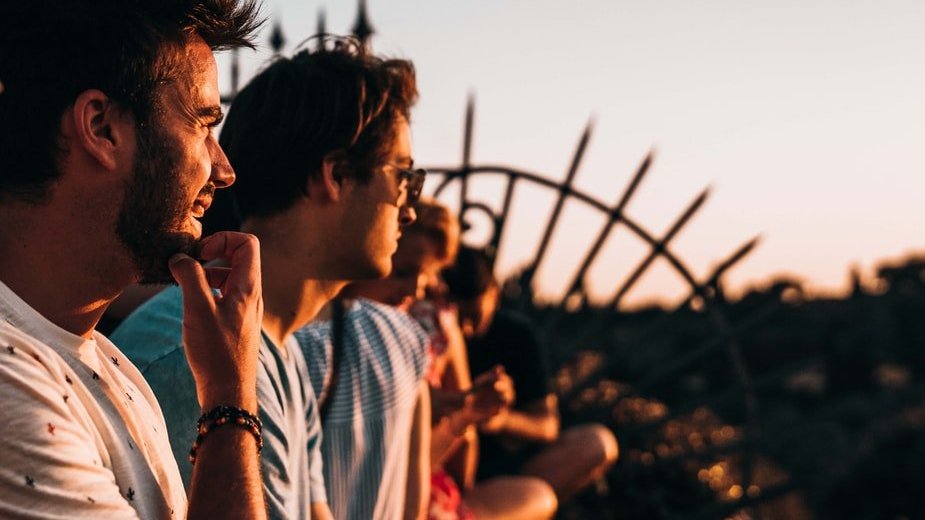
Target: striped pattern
(366, 434)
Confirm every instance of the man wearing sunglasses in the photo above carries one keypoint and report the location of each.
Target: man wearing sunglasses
(321, 147)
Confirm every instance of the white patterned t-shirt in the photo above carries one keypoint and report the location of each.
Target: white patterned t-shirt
(83, 436)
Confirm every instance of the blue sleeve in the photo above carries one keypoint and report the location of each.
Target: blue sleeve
(152, 338)
(171, 380)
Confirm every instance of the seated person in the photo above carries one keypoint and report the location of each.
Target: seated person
(325, 213)
(459, 403)
(107, 159)
(525, 439)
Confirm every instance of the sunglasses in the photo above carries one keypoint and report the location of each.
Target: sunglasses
(415, 178)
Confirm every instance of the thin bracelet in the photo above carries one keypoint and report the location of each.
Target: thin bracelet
(220, 416)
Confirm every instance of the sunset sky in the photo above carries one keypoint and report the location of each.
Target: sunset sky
(806, 118)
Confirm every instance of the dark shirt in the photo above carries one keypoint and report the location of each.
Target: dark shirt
(511, 341)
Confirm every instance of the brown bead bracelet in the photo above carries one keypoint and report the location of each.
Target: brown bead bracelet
(222, 415)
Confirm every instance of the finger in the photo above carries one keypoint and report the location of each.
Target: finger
(197, 296)
(242, 250)
(217, 276)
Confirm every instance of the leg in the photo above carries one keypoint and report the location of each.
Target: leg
(512, 498)
(580, 456)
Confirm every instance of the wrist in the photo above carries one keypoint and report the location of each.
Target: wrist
(458, 423)
(236, 396)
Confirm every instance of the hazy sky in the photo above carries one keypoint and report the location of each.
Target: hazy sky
(807, 118)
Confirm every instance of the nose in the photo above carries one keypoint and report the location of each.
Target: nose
(222, 174)
(406, 215)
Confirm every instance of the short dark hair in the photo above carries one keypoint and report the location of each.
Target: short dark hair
(337, 98)
(471, 275)
(53, 50)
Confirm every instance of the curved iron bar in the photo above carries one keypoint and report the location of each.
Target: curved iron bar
(451, 174)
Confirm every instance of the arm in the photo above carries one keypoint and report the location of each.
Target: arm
(491, 392)
(537, 421)
(418, 484)
(222, 337)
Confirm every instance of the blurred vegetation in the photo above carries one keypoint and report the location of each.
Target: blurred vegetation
(839, 387)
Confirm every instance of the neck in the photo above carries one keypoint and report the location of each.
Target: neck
(292, 294)
(67, 275)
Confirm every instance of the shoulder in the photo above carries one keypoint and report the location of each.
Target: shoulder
(19, 351)
(389, 321)
(313, 336)
(34, 379)
(154, 331)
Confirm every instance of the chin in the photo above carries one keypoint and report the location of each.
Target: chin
(379, 268)
(193, 228)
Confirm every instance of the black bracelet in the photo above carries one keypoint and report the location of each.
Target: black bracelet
(222, 415)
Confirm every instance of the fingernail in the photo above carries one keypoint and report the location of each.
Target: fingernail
(176, 258)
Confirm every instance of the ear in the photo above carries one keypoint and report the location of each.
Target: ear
(103, 130)
(329, 184)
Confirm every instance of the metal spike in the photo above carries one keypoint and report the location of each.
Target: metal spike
(362, 29)
(743, 251)
(563, 193)
(276, 38)
(322, 25)
(615, 216)
(467, 130)
(692, 209)
(467, 154)
(637, 179)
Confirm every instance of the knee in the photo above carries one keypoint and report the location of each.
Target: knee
(607, 441)
(542, 496)
(600, 442)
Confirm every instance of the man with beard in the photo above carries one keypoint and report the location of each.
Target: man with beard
(321, 148)
(107, 159)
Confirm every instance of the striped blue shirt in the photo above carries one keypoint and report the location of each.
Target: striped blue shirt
(367, 430)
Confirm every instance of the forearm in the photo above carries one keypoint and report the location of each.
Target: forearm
(463, 461)
(226, 477)
(530, 426)
(447, 436)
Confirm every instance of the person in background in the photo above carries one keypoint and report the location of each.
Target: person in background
(320, 142)
(459, 404)
(108, 160)
(524, 439)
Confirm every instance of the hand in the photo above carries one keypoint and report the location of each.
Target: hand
(496, 423)
(491, 392)
(222, 333)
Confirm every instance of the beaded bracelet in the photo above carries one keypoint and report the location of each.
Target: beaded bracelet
(220, 416)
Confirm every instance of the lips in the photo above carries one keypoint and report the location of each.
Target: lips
(200, 206)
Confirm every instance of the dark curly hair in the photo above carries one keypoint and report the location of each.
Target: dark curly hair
(335, 99)
(53, 50)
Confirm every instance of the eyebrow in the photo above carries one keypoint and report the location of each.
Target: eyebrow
(212, 115)
(401, 161)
